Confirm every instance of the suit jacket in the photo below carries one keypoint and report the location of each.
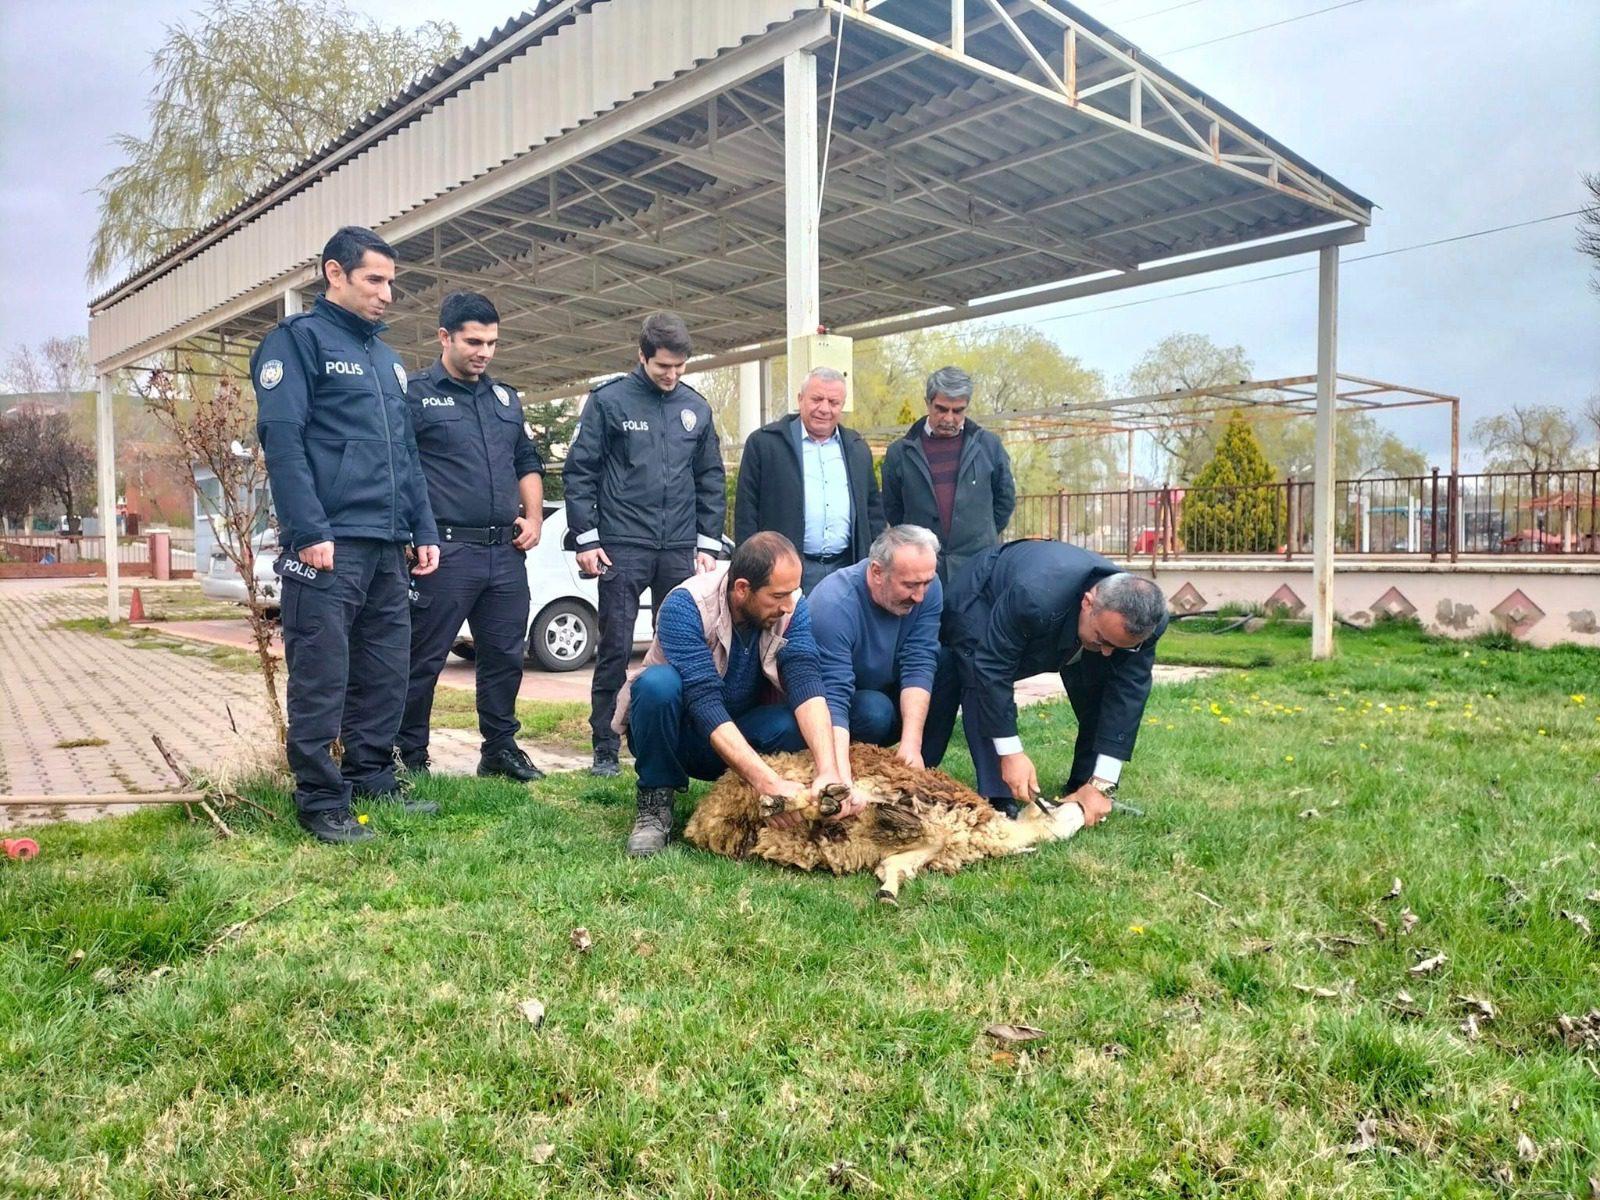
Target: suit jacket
(1013, 612)
(986, 494)
(771, 491)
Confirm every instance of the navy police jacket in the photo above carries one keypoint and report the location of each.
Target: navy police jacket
(332, 419)
(645, 469)
(475, 447)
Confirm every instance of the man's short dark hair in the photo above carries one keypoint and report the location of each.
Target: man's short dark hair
(349, 246)
(1135, 599)
(664, 331)
(755, 558)
(461, 307)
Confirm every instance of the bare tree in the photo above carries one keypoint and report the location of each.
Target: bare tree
(215, 431)
(58, 364)
(1187, 429)
(1589, 227)
(1591, 415)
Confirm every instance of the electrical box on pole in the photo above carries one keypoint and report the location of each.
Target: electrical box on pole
(810, 351)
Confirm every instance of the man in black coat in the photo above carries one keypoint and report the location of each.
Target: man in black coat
(1025, 608)
(950, 475)
(809, 478)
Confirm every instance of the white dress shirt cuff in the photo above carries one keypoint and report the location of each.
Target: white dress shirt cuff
(1107, 768)
(1010, 745)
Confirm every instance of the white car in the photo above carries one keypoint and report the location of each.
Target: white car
(563, 630)
(221, 581)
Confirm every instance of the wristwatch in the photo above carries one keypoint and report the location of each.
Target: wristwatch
(1106, 787)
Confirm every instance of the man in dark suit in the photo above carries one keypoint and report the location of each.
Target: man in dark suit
(809, 478)
(1025, 608)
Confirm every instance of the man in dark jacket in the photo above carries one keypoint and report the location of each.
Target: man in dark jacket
(486, 485)
(349, 493)
(1025, 608)
(950, 475)
(645, 502)
(809, 478)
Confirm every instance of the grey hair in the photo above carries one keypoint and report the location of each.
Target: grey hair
(948, 381)
(1138, 601)
(822, 375)
(897, 537)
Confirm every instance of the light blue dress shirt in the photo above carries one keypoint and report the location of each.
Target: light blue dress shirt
(827, 495)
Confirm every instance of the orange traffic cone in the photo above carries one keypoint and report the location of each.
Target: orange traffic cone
(135, 608)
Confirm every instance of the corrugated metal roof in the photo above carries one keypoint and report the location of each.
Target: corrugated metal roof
(943, 185)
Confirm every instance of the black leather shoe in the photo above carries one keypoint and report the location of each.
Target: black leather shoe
(510, 763)
(1006, 806)
(605, 764)
(336, 828)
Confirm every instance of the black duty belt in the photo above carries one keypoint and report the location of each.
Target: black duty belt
(492, 535)
(827, 560)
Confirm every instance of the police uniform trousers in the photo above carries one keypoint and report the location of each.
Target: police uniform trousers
(632, 570)
(1084, 679)
(487, 587)
(347, 644)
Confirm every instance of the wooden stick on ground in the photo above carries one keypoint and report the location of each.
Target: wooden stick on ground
(222, 826)
(98, 799)
(183, 776)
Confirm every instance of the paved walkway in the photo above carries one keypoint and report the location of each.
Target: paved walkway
(60, 686)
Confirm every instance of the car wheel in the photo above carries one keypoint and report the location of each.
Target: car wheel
(465, 651)
(562, 637)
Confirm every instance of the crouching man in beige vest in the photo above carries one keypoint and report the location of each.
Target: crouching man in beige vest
(733, 673)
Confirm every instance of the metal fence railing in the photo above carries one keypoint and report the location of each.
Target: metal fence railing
(1523, 512)
(91, 548)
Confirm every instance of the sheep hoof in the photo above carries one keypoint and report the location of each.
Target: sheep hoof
(832, 799)
(885, 896)
(771, 806)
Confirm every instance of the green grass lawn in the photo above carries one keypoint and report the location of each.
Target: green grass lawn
(739, 1030)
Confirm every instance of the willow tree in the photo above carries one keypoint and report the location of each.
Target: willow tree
(252, 88)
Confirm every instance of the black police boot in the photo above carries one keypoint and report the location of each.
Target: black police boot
(1006, 806)
(605, 764)
(653, 825)
(400, 797)
(512, 763)
(335, 827)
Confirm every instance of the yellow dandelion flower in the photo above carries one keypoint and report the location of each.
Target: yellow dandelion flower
(1289, 758)
(1578, 698)
(1216, 709)
(1224, 720)
(363, 819)
(1363, 745)
(1139, 929)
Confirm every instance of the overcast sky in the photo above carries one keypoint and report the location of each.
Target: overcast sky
(1453, 116)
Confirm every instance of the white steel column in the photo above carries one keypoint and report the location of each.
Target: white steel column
(1322, 487)
(106, 469)
(293, 302)
(802, 291)
(749, 399)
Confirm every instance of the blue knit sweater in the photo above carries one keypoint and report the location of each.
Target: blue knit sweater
(862, 646)
(714, 699)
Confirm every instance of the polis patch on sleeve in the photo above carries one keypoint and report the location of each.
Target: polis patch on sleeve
(271, 374)
(689, 419)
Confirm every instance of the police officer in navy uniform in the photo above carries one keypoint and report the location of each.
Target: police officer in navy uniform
(486, 485)
(349, 493)
(645, 502)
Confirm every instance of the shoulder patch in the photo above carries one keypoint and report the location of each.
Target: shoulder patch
(270, 375)
(689, 419)
(400, 376)
(502, 395)
(527, 430)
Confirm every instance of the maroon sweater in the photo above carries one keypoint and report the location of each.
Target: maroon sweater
(944, 464)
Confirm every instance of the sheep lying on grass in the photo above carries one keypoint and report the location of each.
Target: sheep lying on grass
(915, 820)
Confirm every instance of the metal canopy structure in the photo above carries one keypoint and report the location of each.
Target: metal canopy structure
(762, 167)
(1186, 408)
